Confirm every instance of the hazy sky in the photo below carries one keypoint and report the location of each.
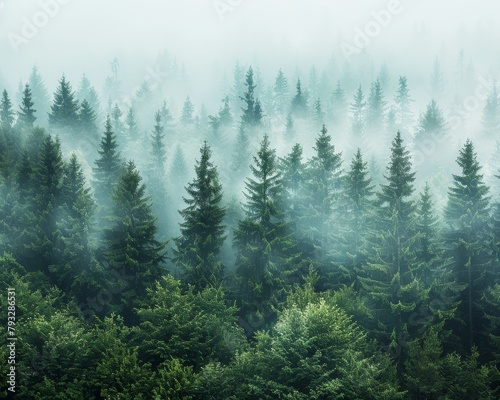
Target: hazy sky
(74, 36)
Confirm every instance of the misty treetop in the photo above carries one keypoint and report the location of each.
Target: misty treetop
(308, 234)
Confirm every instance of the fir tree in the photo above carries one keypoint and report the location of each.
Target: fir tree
(376, 105)
(299, 102)
(404, 115)
(178, 168)
(293, 172)
(202, 232)
(339, 104)
(131, 243)
(280, 93)
(131, 122)
(88, 120)
(158, 152)
(358, 118)
(27, 113)
(319, 115)
(490, 118)
(107, 168)
(467, 216)
(187, 112)
(64, 109)
(40, 95)
(6, 111)
(252, 112)
(118, 127)
(262, 237)
(431, 124)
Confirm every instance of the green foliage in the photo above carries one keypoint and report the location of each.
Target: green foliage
(64, 109)
(27, 113)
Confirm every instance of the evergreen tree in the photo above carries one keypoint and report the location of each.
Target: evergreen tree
(6, 111)
(319, 115)
(338, 104)
(131, 122)
(358, 118)
(432, 123)
(490, 119)
(64, 109)
(467, 216)
(322, 189)
(404, 115)
(356, 217)
(225, 115)
(202, 232)
(262, 237)
(187, 112)
(390, 278)
(299, 102)
(290, 126)
(376, 105)
(130, 239)
(241, 154)
(73, 249)
(118, 127)
(40, 95)
(293, 172)
(178, 168)
(88, 120)
(438, 82)
(108, 168)
(252, 112)
(280, 93)
(27, 113)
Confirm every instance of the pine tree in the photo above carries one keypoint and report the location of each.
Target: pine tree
(262, 237)
(280, 93)
(376, 106)
(118, 127)
(6, 111)
(202, 232)
(27, 113)
(358, 118)
(299, 102)
(404, 114)
(108, 168)
(131, 122)
(467, 216)
(88, 120)
(187, 112)
(130, 239)
(64, 109)
(293, 172)
(319, 115)
(490, 118)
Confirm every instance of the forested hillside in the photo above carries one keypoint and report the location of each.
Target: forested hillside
(305, 237)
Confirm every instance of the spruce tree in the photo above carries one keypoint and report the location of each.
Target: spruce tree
(319, 115)
(404, 114)
(490, 118)
(280, 93)
(338, 104)
(187, 112)
(6, 111)
(262, 237)
(118, 127)
(299, 102)
(131, 122)
(390, 278)
(252, 112)
(178, 168)
(321, 192)
(225, 114)
(432, 123)
(40, 95)
(358, 117)
(107, 169)
(293, 172)
(27, 113)
(202, 232)
(88, 120)
(64, 109)
(467, 216)
(130, 239)
(376, 105)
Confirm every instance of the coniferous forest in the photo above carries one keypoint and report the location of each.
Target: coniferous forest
(323, 230)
